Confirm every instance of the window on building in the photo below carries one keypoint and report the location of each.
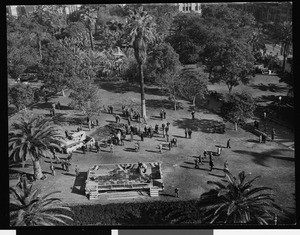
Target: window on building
(196, 7)
(187, 8)
(190, 8)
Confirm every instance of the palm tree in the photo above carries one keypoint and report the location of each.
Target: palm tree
(28, 208)
(89, 19)
(33, 137)
(141, 30)
(237, 201)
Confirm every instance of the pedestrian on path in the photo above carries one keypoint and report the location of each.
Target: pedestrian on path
(131, 136)
(273, 134)
(167, 137)
(200, 160)
(160, 148)
(176, 192)
(190, 133)
(167, 129)
(97, 146)
(170, 145)
(97, 122)
(142, 136)
(185, 132)
(52, 169)
(76, 170)
(156, 129)
(63, 164)
(111, 146)
(197, 164)
(211, 164)
(193, 114)
(228, 144)
(161, 114)
(165, 114)
(137, 146)
(226, 169)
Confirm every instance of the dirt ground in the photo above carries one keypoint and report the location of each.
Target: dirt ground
(273, 161)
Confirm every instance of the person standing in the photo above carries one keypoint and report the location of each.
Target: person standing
(176, 192)
(90, 125)
(167, 129)
(165, 114)
(185, 132)
(273, 134)
(163, 129)
(137, 146)
(142, 136)
(97, 146)
(200, 160)
(76, 170)
(228, 144)
(170, 145)
(211, 164)
(161, 114)
(63, 164)
(151, 131)
(196, 164)
(131, 136)
(111, 146)
(160, 147)
(52, 169)
(97, 122)
(190, 133)
(112, 109)
(156, 128)
(226, 169)
(193, 114)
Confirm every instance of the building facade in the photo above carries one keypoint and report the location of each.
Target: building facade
(189, 7)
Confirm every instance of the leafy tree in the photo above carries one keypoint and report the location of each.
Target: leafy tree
(195, 84)
(237, 201)
(58, 66)
(236, 64)
(238, 108)
(283, 34)
(141, 30)
(181, 39)
(171, 83)
(32, 137)
(162, 59)
(21, 95)
(85, 97)
(28, 208)
(20, 53)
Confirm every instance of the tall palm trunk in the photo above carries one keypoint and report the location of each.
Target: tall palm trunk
(37, 169)
(91, 39)
(143, 101)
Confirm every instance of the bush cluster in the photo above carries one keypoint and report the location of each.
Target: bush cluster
(149, 213)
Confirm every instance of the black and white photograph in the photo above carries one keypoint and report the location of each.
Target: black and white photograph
(151, 114)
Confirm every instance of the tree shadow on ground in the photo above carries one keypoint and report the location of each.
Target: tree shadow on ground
(79, 183)
(271, 87)
(43, 105)
(268, 98)
(123, 87)
(261, 158)
(152, 151)
(204, 125)
(219, 176)
(161, 104)
(61, 119)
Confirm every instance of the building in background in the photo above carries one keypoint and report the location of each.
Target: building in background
(189, 7)
(20, 10)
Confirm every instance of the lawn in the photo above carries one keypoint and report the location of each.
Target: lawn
(273, 161)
